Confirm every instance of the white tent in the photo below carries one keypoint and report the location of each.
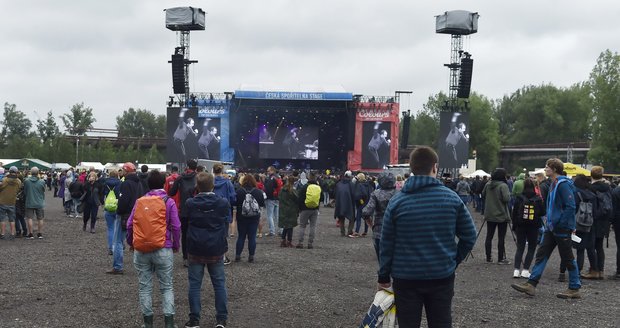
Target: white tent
(60, 166)
(87, 165)
(479, 173)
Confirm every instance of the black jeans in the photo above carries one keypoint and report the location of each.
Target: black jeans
(501, 228)
(434, 295)
(287, 234)
(184, 226)
(596, 255)
(525, 234)
(617, 234)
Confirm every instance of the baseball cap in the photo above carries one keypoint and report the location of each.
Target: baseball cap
(129, 167)
(13, 169)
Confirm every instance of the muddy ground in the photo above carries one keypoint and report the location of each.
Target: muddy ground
(60, 281)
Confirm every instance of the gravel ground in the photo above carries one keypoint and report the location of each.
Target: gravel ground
(60, 281)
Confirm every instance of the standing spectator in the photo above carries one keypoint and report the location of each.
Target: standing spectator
(247, 223)
(273, 184)
(496, 214)
(481, 186)
(143, 176)
(92, 201)
(399, 182)
(60, 184)
(527, 216)
(463, 189)
(76, 190)
(309, 209)
(174, 174)
(10, 185)
(474, 190)
(184, 186)
(361, 195)
(206, 245)
(377, 204)
(20, 208)
(225, 189)
(159, 261)
(615, 194)
(422, 262)
(325, 186)
(345, 208)
(111, 184)
(35, 201)
(559, 226)
(289, 210)
(128, 192)
(600, 228)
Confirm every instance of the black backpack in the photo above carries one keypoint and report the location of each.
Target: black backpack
(526, 213)
(603, 208)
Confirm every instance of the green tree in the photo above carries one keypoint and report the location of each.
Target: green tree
(604, 86)
(15, 124)
(78, 120)
(484, 132)
(47, 129)
(424, 129)
(140, 123)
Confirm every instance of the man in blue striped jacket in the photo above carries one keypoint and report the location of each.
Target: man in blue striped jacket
(419, 251)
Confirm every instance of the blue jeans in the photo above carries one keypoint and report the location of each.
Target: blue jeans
(195, 272)
(75, 203)
(465, 199)
(325, 198)
(20, 224)
(118, 243)
(110, 219)
(246, 228)
(358, 218)
(159, 262)
(273, 210)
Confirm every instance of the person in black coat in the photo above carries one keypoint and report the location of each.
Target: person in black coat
(345, 204)
(527, 216)
(247, 225)
(185, 185)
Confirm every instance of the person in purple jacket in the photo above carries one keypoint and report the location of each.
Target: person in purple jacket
(159, 261)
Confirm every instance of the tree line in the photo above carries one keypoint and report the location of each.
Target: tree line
(587, 111)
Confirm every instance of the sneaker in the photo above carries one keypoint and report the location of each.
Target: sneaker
(192, 324)
(562, 277)
(569, 294)
(310, 246)
(300, 245)
(592, 275)
(30, 236)
(614, 276)
(226, 260)
(237, 258)
(503, 262)
(114, 271)
(526, 288)
(185, 263)
(525, 274)
(110, 252)
(25, 234)
(260, 235)
(516, 273)
(251, 259)
(18, 235)
(283, 243)
(289, 244)
(364, 234)
(10, 237)
(489, 261)
(221, 324)
(353, 235)
(39, 236)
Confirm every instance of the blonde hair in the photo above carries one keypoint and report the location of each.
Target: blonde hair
(597, 172)
(361, 177)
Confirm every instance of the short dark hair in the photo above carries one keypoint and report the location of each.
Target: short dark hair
(422, 160)
(582, 182)
(528, 186)
(174, 168)
(204, 182)
(156, 180)
(144, 168)
(556, 165)
(192, 164)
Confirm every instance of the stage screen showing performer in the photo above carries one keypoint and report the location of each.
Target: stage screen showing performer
(376, 145)
(288, 142)
(453, 140)
(184, 130)
(209, 140)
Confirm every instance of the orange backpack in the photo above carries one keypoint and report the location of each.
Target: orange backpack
(149, 223)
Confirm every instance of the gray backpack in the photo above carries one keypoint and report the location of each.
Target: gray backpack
(250, 207)
(584, 217)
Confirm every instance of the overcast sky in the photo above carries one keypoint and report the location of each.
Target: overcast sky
(113, 54)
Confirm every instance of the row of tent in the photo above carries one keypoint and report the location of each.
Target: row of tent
(25, 163)
(570, 168)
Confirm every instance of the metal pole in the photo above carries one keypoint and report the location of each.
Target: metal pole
(77, 149)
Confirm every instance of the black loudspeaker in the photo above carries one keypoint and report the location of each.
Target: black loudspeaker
(178, 74)
(467, 66)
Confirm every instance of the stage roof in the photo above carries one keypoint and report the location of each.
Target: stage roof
(301, 92)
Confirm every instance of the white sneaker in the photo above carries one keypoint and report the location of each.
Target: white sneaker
(525, 274)
(516, 273)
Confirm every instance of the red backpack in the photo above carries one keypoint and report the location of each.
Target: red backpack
(277, 187)
(149, 223)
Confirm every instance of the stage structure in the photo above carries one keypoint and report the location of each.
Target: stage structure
(457, 23)
(376, 134)
(183, 20)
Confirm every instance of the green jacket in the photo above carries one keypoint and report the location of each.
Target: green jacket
(289, 210)
(496, 198)
(35, 192)
(517, 187)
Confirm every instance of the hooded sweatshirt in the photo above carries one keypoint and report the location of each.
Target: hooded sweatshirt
(378, 202)
(517, 187)
(561, 207)
(35, 192)
(225, 189)
(496, 198)
(420, 226)
(8, 189)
